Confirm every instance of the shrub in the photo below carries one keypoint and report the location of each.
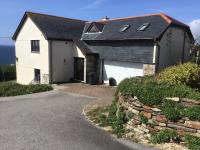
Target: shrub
(117, 119)
(145, 88)
(193, 113)
(7, 72)
(151, 94)
(164, 136)
(171, 110)
(188, 74)
(192, 142)
(143, 119)
(14, 89)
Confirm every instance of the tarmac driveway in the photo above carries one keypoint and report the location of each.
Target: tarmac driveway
(51, 121)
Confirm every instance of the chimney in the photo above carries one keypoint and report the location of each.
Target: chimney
(105, 18)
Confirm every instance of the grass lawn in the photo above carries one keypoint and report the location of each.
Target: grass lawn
(11, 88)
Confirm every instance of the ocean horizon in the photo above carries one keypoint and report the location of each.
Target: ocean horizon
(7, 54)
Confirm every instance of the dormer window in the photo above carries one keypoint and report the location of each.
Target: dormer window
(143, 27)
(124, 28)
(95, 27)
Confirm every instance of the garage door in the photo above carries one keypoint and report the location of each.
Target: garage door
(121, 70)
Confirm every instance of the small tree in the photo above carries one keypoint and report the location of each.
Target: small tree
(196, 51)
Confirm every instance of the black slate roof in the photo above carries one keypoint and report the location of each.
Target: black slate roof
(111, 31)
(53, 27)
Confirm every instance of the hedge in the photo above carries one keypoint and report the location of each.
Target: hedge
(14, 89)
(7, 72)
(187, 74)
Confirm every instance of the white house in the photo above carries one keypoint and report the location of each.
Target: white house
(52, 49)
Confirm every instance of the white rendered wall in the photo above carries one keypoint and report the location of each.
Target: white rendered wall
(27, 60)
(63, 54)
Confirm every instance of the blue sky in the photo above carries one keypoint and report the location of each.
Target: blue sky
(11, 11)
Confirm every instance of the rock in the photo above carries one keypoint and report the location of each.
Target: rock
(159, 128)
(192, 124)
(146, 107)
(181, 132)
(181, 128)
(139, 131)
(152, 130)
(161, 118)
(181, 121)
(162, 124)
(133, 110)
(130, 127)
(137, 104)
(156, 109)
(135, 117)
(136, 122)
(146, 114)
(131, 99)
(148, 110)
(141, 128)
(190, 101)
(176, 99)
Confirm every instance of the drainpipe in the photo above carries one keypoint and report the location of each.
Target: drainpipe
(156, 55)
(50, 63)
(183, 50)
(102, 69)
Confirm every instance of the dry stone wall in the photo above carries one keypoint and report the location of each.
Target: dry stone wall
(156, 119)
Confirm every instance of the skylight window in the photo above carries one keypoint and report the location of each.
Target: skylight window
(143, 27)
(124, 28)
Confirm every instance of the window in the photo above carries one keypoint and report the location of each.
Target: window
(143, 27)
(37, 75)
(35, 46)
(124, 28)
(95, 27)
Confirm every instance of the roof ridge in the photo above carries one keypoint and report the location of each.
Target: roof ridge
(167, 18)
(156, 14)
(29, 12)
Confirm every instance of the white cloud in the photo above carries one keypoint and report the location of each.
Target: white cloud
(195, 27)
(94, 4)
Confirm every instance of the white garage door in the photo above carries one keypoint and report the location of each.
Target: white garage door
(121, 70)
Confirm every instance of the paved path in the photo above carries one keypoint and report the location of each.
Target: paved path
(51, 121)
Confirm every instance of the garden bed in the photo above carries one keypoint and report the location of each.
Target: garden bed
(13, 89)
(160, 110)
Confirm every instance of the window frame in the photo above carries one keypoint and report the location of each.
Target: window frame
(35, 46)
(37, 75)
(143, 27)
(125, 27)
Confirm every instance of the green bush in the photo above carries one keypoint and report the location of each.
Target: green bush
(117, 119)
(188, 74)
(164, 136)
(14, 89)
(171, 110)
(145, 88)
(7, 72)
(193, 113)
(143, 119)
(192, 142)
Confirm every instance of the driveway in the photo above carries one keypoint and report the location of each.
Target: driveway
(52, 121)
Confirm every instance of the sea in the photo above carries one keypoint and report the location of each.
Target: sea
(7, 54)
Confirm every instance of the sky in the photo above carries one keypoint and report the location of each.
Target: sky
(11, 11)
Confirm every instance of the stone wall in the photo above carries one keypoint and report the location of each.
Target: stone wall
(156, 119)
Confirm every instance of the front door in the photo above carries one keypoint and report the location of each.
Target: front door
(79, 69)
